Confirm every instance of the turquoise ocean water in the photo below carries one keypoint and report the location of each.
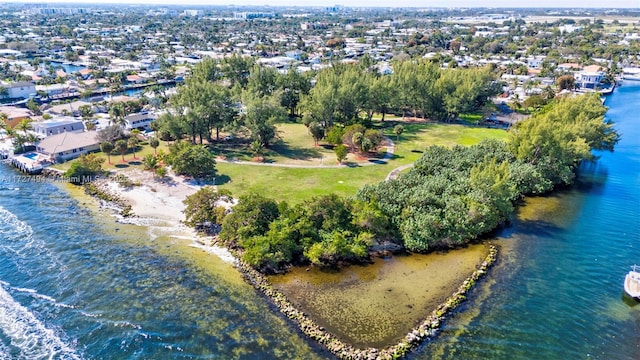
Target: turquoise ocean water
(74, 286)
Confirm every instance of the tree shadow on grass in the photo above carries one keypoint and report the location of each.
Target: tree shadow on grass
(121, 166)
(135, 162)
(283, 149)
(222, 179)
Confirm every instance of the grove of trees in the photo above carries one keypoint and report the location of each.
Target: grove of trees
(450, 197)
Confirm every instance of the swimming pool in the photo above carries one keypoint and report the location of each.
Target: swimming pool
(32, 156)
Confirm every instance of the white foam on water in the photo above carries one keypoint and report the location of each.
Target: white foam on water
(18, 239)
(221, 252)
(12, 228)
(138, 221)
(37, 295)
(29, 335)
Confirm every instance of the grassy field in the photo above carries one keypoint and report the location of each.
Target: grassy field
(295, 184)
(294, 146)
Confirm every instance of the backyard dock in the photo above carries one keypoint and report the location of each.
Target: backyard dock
(28, 163)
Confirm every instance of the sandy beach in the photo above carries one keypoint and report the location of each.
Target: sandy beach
(154, 198)
(158, 205)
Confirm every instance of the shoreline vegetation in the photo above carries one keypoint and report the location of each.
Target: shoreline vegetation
(116, 190)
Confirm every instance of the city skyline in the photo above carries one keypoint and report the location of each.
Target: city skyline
(567, 4)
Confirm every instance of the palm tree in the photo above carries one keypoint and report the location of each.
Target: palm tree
(86, 112)
(154, 143)
(133, 144)
(32, 138)
(117, 113)
(256, 147)
(89, 125)
(3, 122)
(122, 147)
(150, 162)
(107, 147)
(25, 126)
(398, 129)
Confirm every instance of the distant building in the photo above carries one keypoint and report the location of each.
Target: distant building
(245, 15)
(63, 11)
(535, 62)
(192, 12)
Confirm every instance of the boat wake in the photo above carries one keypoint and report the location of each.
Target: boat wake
(28, 338)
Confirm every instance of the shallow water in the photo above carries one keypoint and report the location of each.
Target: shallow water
(377, 305)
(75, 284)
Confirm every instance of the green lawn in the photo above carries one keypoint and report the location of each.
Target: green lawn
(293, 146)
(295, 185)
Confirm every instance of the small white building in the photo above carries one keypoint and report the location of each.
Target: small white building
(69, 145)
(56, 126)
(140, 120)
(20, 90)
(588, 80)
(54, 89)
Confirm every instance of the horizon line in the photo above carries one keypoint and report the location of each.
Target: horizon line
(204, 3)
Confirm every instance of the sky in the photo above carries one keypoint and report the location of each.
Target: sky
(381, 3)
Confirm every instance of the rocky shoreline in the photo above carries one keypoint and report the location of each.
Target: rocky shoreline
(427, 328)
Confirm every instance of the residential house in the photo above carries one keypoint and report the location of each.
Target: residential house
(20, 90)
(68, 145)
(15, 115)
(140, 120)
(54, 89)
(568, 67)
(588, 79)
(535, 62)
(72, 108)
(59, 125)
(134, 79)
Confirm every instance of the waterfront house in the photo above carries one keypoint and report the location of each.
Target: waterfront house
(56, 126)
(54, 89)
(68, 145)
(589, 79)
(15, 115)
(134, 79)
(19, 90)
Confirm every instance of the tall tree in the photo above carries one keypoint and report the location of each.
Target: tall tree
(107, 147)
(122, 146)
(191, 160)
(236, 69)
(261, 116)
(294, 86)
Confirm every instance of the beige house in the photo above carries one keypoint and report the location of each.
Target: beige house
(68, 145)
(15, 115)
